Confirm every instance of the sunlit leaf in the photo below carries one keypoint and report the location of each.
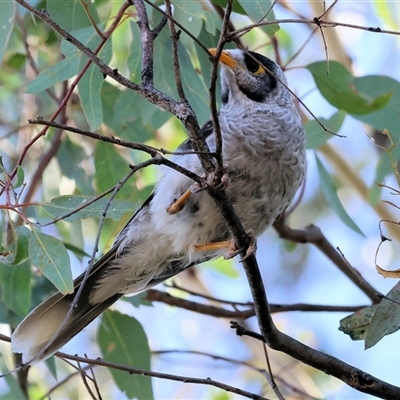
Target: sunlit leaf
(122, 340)
(330, 193)
(49, 255)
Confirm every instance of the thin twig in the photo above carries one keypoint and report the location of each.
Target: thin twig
(183, 379)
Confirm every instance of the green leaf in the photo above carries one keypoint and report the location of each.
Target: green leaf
(236, 7)
(356, 325)
(15, 283)
(195, 88)
(190, 14)
(339, 88)
(138, 300)
(256, 9)
(110, 168)
(14, 392)
(71, 157)
(122, 340)
(71, 14)
(50, 256)
(89, 89)
(316, 136)
(386, 318)
(19, 247)
(7, 13)
(224, 267)
(58, 72)
(64, 204)
(20, 177)
(388, 116)
(329, 190)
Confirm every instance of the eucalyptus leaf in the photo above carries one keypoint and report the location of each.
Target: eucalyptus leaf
(65, 204)
(386, 318)
(330, 193)
(15, 283)
(316, 136)
(257, 11)
(50, 256)
(339, 88)
(122, 340)
(7, 14)
(356, 325)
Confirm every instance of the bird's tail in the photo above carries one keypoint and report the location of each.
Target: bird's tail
(33, 337)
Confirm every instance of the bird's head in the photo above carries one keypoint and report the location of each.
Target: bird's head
(249, 76)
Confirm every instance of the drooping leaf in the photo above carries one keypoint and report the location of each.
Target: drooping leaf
(386, 318)
(339, 88)
(89, 88)
(15, 283)
(195, 88)
(7, 11)
(122, 340)
(316, 136)
(50, 256)
(64, 204)
(330, 193)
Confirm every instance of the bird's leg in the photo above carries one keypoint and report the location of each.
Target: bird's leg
(230, 246)
(178, 204)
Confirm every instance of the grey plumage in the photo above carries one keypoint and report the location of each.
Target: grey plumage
(264, 153)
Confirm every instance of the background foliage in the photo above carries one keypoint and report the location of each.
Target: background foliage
(346, 76)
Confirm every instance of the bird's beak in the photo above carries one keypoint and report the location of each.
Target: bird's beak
(225, 58)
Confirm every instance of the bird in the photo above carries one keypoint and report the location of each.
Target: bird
(179, 226)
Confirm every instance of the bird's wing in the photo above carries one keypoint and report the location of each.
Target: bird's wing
(34, 332)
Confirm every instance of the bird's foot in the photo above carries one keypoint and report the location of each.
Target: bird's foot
(233, 250)
(252, 247)
(230, 246)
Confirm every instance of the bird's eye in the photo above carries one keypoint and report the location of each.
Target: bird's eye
(254, 67)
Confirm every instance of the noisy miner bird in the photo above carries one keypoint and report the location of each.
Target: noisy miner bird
(178, 227)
